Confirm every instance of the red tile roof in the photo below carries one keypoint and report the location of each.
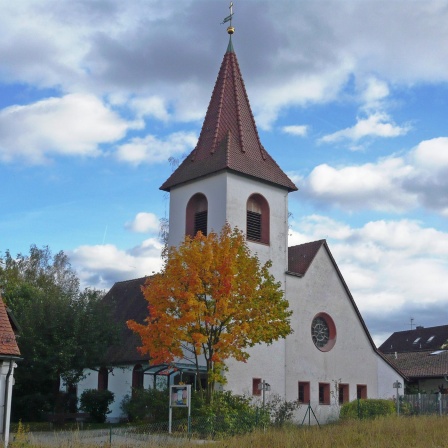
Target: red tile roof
(127, 302)
(301, 256)
(229, 138)
(8, 343)
(421, 364)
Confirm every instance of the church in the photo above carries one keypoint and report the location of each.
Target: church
(229, 177)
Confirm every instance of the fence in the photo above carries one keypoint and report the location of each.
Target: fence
(150, 435)
(424, 404)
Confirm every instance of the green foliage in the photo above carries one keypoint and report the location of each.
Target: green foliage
(369, 408)
(96, 403)
(227, 414)
(148, 405)
(281, 411)
(63, 330)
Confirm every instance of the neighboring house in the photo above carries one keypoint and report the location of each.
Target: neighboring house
(422, 355)
(9, 354)
(123, 366)
(330, 357)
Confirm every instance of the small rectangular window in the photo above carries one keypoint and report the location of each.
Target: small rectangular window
(344, 396)
(200, 222)
(361, 391)
(253, 226)
(304, 392)
(256, 383)
(324, 393)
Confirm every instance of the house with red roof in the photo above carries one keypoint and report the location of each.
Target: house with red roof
(229, 177)
(422, 355)
(9, 354)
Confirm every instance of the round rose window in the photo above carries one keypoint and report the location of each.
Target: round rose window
(323, 332)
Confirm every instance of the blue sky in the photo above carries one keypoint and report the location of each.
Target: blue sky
(350, 98)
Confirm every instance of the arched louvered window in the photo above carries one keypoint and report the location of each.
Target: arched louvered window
(103, 378)
(197, 215)
(257, 224)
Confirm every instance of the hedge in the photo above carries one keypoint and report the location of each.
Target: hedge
(368, 408)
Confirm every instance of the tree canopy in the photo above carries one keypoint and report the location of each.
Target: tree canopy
(63, 329)
(214, 299)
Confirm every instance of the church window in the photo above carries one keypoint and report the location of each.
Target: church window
(137, 377)
(344, 396)
(324, 393)
(304, 392)
(361, 391)
(103, 378)
(256, 386)
(257, 219)
(323, 332)
(197, 215)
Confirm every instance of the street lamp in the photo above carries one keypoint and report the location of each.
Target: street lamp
(397, 385)
(264, 387)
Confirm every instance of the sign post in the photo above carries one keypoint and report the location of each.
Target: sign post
(180, 397)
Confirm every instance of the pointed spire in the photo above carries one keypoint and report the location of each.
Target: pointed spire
(229, 138)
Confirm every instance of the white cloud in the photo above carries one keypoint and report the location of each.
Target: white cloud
(153, 106)
(299, 130)
(144, 223)
(376, 186)
(378, 124)
(74, 125)
(432, 154)
(394, 269)
(374, 93)
(101, 265)
(150, 149)
(393, 184)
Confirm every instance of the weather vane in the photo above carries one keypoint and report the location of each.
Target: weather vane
(230, 28)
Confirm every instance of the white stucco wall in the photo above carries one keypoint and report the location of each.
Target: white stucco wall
(119, 382)
(351, 361)
(227, 194)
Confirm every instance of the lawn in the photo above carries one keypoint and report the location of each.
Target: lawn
(406, 432)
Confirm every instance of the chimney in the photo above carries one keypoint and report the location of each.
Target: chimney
(419, 327)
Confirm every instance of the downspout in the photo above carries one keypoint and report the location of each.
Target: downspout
(6, 410)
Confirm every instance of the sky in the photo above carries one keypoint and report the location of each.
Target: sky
(350, 98)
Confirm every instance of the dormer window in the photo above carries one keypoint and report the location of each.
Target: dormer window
(197, 215)
(257, 219)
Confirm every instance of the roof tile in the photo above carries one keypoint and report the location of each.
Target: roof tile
(229, 138)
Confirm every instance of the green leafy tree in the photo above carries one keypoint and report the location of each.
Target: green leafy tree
(63, 330)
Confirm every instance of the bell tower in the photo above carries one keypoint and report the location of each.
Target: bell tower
(230, 177)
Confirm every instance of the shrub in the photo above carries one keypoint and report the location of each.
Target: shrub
(96, 403)
(280, 410)
(368, 408)
(150, 405)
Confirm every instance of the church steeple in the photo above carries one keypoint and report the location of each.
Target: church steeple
(229, 138)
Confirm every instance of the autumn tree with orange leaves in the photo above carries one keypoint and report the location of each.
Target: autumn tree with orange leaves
(213, 300)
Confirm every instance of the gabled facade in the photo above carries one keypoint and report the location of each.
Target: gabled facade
(230, 178)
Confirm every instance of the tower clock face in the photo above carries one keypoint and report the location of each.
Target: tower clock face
(323, 332)
(320, 332)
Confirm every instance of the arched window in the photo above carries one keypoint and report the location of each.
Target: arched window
(197, 210)
(103, 378)
(257, 219)
(137, 377)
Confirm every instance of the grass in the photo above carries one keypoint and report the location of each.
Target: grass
(391, 432)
